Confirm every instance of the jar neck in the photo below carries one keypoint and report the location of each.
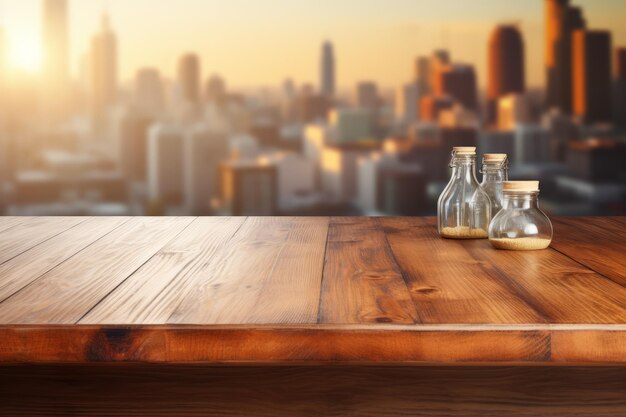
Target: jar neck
(520, 200)
(496, 173)
(464, 168)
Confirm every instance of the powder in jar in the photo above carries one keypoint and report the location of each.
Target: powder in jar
(463, 232)
(523, 243)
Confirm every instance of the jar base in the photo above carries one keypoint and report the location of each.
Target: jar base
(463, 232)
(521, 244)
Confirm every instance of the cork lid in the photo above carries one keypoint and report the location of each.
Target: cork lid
(464, 150)
(494, 157)
(523, 186)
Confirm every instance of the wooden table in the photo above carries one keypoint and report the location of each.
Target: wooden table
(307, 317)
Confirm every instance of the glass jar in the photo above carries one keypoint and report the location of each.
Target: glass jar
(495, 171)
(463, 210)
(520, 225)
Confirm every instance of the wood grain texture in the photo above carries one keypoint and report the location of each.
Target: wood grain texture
(563, 290)
(133, 391)
(272, 345)
(362, 282)
(580, 240)
(299, 290)
(9, 222)
(152, 293)
(270, 272)
(66, 293)
(24, 269)
(26, 235)
(447, 284)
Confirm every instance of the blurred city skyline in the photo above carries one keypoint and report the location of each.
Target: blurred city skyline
(287, 108)
(255, 44)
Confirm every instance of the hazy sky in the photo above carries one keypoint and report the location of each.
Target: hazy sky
(259, 42)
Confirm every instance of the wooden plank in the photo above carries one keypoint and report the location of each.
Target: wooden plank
(165, 391)
(20, 271)
(598, 244)
(446, 283)
(8, 222)
(152, 293)
(362, 282)
(563, 290)
(31, 233)
(69, 291)
(576, 346)
(366, 344)
(269, 273)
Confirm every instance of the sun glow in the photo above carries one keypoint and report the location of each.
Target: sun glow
(25, 54)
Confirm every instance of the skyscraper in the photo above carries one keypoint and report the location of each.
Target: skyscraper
(592, 76)
(367, 96)
(422, 75)
(619, 93)
(561, 21)
(505, 66)
(55, 58)
(189, 78)
(459, 82)
(327, 71)
(149, 97)
(103, 71)
(439, 60)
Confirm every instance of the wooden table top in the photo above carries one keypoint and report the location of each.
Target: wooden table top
(306, 290)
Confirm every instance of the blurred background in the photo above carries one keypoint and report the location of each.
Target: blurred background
(332, 107)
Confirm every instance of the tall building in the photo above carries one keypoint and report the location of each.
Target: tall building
(204, 150)
(55, 58)
(133, 136)
(103, 72)
(215, 91)
(189, 78)
(439, 60)
(422, 75)
(407, 97)
(367, 96)
(592, 76)
(249, 188)
(506, 66)
(619, 93)
(561, 21)
(148, 95)
(327, 71)
(459, 82)
(166, 164)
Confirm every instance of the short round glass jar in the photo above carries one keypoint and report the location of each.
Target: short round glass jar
(463, 210)
(520, 225)
(495, 172)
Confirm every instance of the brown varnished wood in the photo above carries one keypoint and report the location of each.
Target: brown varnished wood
(24, 269)
(362, 282)
(300, 290)
(69, 291)
(447, 284)
(133, 391)
(270, 272)
(151, 294)
(563, 290)
(581, 240)
(26, 235)
(274, 345)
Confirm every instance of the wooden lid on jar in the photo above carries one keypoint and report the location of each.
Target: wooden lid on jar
(464, 150)
(523, 186)
(494, 157)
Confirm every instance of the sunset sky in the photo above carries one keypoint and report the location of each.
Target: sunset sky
(254, 43)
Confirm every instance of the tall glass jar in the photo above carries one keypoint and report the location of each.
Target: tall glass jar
(520, 225)
(464, 210)
(495, 171)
